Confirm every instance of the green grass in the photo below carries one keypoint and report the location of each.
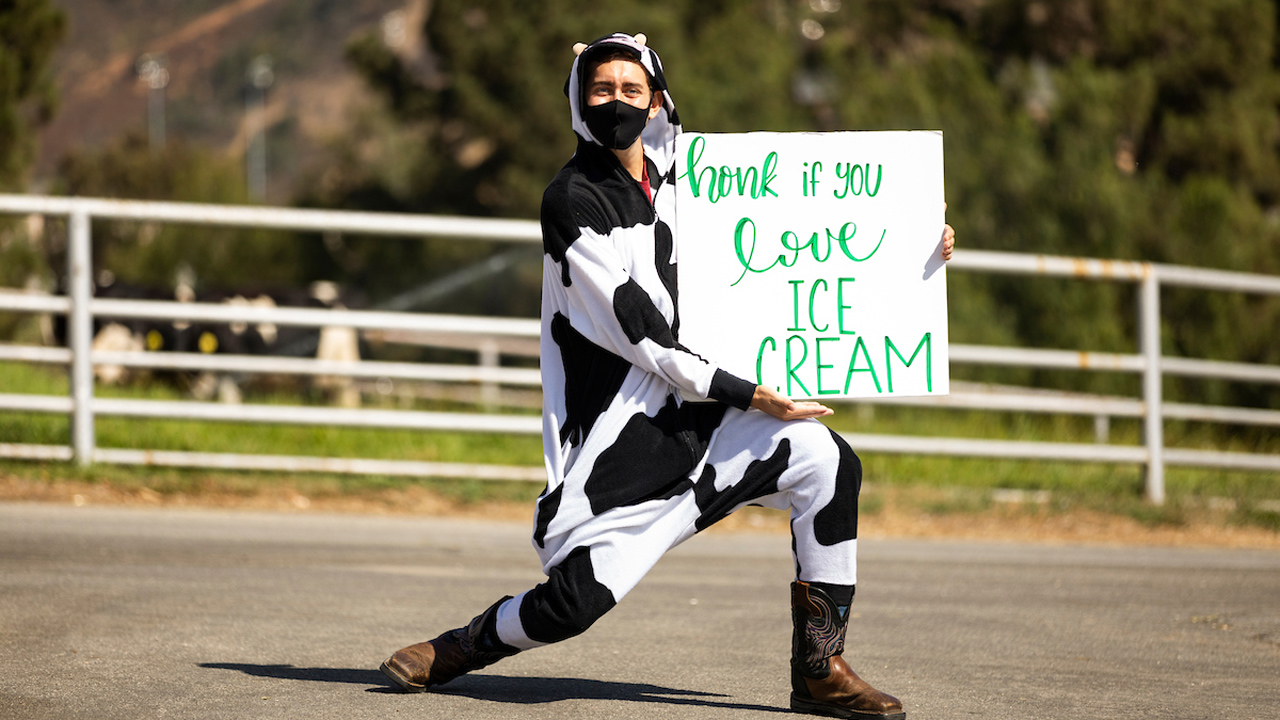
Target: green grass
(956, 485)
(183, 435)
(1107, 480)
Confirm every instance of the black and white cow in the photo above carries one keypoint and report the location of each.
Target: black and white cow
(237, 338)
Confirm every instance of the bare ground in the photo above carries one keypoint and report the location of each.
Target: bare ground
(897, 513)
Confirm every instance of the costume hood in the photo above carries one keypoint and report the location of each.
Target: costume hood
(659, 136)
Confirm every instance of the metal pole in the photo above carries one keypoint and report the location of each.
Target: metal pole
(80, 337)
(1152, 395)
(260, 77)
(155, 118)
(153, 70)
(255, 156)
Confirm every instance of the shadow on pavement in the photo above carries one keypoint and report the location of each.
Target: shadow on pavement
(502, 689)
(531, 690)
(289, 672)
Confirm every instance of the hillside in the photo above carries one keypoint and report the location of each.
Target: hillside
(208, 46)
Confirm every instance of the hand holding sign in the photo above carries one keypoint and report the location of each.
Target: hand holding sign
(810, 263)
(948, 238)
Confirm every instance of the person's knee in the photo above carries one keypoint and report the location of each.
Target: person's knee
(568, 603)
(848, 466)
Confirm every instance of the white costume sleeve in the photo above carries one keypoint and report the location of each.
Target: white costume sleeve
(611, 310)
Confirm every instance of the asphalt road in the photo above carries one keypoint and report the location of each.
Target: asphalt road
(127, 613)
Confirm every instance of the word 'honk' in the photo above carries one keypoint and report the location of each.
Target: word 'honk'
(724, 181)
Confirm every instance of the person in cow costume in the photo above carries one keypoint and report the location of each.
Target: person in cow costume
(634, 468)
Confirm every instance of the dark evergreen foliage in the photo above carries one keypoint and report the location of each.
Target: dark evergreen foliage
(29, 32)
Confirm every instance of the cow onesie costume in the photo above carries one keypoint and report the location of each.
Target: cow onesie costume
(645, 442)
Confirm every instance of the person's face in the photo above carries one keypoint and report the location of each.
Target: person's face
(625, 81)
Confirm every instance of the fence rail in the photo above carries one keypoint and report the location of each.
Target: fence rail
(81, 308)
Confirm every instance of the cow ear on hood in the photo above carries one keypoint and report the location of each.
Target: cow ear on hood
(578, 48)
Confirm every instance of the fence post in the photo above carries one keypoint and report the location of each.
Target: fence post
(489, 395)
(1152, 392)
(80, 336)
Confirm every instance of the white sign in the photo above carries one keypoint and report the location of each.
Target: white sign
(811, 262)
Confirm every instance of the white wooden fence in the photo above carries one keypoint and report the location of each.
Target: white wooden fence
(81, 308)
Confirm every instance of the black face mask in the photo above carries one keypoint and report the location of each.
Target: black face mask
(615, 124)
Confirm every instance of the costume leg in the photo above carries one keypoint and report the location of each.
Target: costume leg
(607, 559)
(810, 471)
(591, 567)
(800, 467)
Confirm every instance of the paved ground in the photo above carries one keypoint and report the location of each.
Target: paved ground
(127, 613)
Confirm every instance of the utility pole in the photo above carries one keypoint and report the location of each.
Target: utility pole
(154, 71)
(259, 77)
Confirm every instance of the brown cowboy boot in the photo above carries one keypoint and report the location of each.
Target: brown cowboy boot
(821, 682)
(454, 653)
